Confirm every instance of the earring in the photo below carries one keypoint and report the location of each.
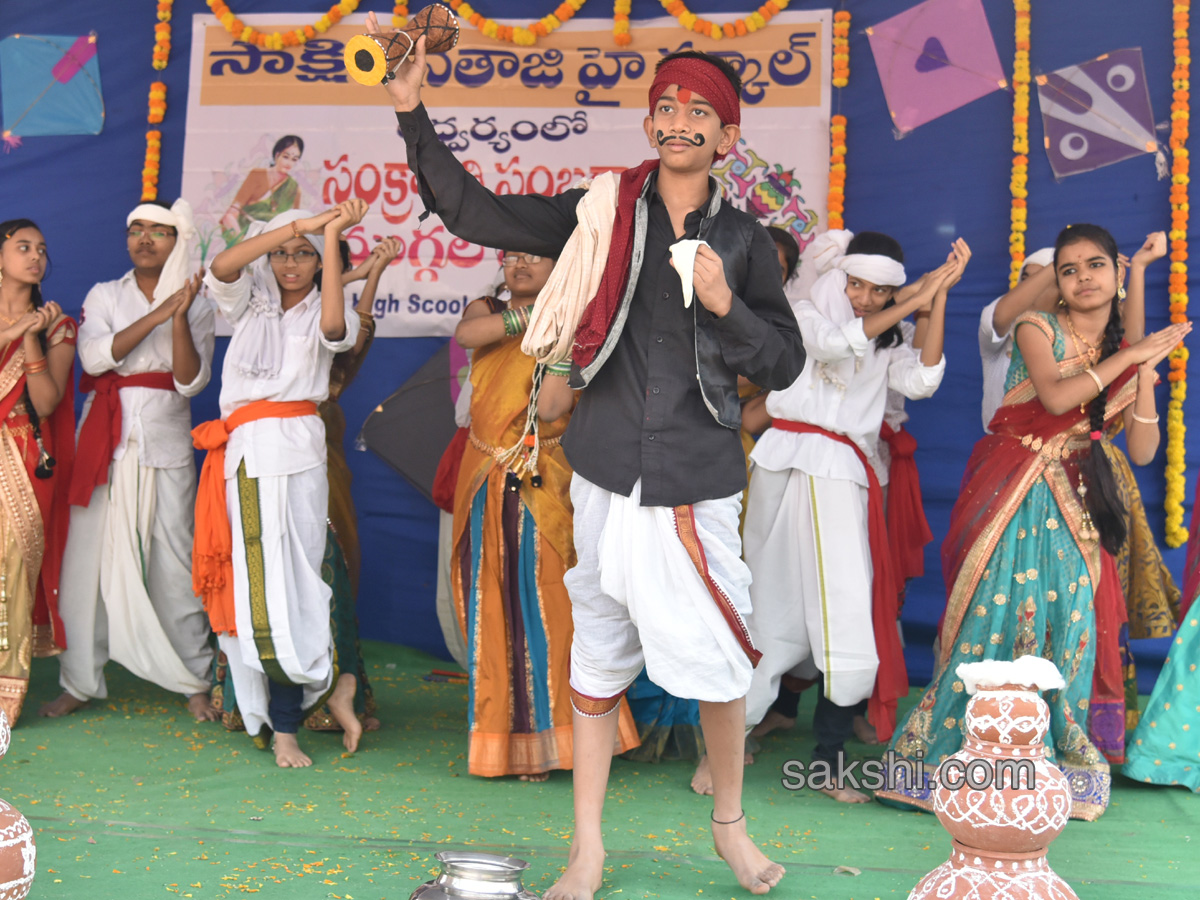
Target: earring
(1121, 292)
(1062, 302)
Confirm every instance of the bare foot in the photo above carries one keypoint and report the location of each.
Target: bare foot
(201, 707)
(845, 795)
(535, 777)
(771, 721)
(865, 731)
(582, 877)
(62, 705)
(370, 723)
(702, 780)
(288, 754)
(747, 758)
(341, 704)
(750, 866)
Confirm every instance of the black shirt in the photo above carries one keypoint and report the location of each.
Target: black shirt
(642, 415)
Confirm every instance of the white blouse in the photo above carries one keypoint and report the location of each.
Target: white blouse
(161, 421)
(854, 409)
(273, 447)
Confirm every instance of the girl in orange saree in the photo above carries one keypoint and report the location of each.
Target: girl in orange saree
(37, 449)
(513, 542)
(1029, 556)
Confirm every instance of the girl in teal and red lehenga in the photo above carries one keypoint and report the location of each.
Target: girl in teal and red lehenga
(1029, 555)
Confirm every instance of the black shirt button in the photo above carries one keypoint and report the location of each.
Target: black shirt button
(659, 339)
(655, 390)
(666, 295)
(650, 437)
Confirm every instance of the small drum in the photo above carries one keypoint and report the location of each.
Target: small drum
(373, 58)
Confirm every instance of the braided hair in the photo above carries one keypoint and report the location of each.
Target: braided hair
(1103, 497)
(876, 243)
(45, 463)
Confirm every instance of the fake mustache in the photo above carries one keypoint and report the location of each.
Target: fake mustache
(696, 141)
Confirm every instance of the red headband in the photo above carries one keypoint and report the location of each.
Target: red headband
(705, 79)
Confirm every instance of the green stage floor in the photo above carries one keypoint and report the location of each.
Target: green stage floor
(130, 799)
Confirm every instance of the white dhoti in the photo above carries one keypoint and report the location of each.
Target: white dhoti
(806, 543)
(661, 587)
(281, 604)
(456, 643)
(126, 587)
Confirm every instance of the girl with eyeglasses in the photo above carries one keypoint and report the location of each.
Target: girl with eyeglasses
(263, 498)
(513, 542)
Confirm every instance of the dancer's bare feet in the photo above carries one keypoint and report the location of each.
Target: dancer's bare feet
(582, 877)
(771, 721)
(370, 723)
(288, 754)
(62, 705)
(702, 782)
(201, 707)
(534, 777)
(750, 866)
(865, 731)
(341, 704)
(845, 795)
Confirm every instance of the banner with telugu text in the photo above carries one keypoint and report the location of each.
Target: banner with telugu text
(521, 119)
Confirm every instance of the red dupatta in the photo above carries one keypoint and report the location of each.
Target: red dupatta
(58, 437)
(1027, 442)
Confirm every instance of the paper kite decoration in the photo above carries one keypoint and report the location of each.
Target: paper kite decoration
(1096, 113)
(934, 58)
(49, 84)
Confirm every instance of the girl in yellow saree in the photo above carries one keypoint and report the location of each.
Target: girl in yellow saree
(513, 542)
(37, 449)
(1029, 556)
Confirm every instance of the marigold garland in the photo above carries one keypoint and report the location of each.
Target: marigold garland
(158, 103)
(621, 10)
(400, 15)
(162, 35)
(841, 48)
(1019, 181)
(522, 37)
(836, 204)
(279, 39)
(1176, 534)
(738, 28)
(151, 166)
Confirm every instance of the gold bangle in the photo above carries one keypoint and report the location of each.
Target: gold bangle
(1144, 420)
(1096, 378)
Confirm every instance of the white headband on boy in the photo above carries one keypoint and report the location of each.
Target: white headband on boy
(829, 252)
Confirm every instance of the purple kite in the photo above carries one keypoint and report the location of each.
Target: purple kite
(1096, 113)
(934, 58)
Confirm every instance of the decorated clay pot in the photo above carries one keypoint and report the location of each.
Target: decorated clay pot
(1026, 803)
(17, 851)
(973, 875)
(1000, 798)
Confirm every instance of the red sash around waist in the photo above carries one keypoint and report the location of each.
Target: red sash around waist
(891, 679)
(101, 430)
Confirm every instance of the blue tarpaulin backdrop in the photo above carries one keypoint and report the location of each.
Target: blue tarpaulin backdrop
(947, 178)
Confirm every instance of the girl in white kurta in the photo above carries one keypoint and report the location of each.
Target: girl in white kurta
(810, 530)
(274, 624)
(146, 345)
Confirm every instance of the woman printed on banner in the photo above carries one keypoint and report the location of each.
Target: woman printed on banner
(266, 192)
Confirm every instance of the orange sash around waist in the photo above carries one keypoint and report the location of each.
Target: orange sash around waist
(212, 550)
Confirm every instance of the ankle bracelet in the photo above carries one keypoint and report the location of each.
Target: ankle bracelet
(717, 821)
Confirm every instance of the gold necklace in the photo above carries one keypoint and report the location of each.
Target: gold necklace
(1093, 352)
(13, 321)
